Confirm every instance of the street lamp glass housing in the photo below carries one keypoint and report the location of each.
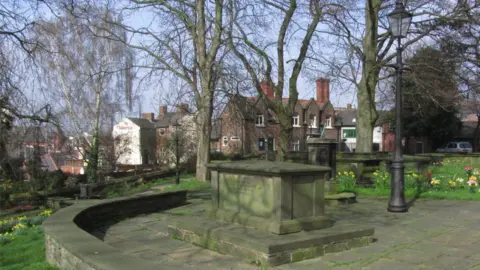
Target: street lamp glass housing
(399, 21)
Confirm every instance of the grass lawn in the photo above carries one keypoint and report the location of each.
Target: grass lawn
(192, 185)
(463, 194)
(25, 252)
(127, 189)
(450, 172)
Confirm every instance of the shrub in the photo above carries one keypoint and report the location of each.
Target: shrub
(38, 220)
(19, 229)
(72, 181)
(381, 179)
(5, 191)
(7, 225)
(26, 198)
(346, 181)
(55, 179)
(6, 238)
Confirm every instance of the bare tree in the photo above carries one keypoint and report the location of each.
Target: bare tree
(183, 39)
(364, 47)
(260, 60)
(17, 18)
(86, 68)
(113, 148)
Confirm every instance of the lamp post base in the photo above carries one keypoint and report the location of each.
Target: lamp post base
(397, 208)
(397, 202)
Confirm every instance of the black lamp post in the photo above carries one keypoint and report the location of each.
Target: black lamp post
(399, 21)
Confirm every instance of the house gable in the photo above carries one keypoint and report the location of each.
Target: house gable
(127, 125)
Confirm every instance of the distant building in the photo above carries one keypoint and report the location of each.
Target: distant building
(145, 140)
(348, 133)
(135, 141)
(247, 126)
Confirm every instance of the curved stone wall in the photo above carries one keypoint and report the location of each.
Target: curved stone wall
(69, 243)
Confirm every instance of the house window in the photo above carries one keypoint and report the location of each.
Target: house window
(328, 122)
(349, 133)
(235, 138)
(260, 120)
(224, 141)
(271, 144)
(296, 145)
(296, 120)
(261, 144)
(162, 132)
(313, 121)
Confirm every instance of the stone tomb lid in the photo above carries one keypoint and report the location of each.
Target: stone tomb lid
(268, 167)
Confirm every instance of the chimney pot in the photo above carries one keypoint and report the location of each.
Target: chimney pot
(323, 90)
(163, 110)
(267, 89)
(148, 116)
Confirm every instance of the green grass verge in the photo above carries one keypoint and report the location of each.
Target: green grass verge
(25, 252)
(192, 185)
(127, 189)
(459, 194)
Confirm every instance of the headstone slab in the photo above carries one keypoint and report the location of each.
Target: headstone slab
(323, 152)
(278, 197)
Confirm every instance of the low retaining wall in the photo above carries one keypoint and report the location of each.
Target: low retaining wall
(71, 191)
(69, 245)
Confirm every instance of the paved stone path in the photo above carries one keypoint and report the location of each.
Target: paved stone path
(432, 235)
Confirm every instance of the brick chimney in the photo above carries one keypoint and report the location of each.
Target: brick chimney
(267, 89)
(323, 90)
(148, 116)
(182, 108)
(162, 110)
(349, 106)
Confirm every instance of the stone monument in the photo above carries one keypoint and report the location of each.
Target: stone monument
(276, 197)
(269, 213)
(323, 152)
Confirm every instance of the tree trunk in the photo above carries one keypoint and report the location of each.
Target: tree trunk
(92, 166)
(204, 127)
(285, 123)
(475, 135)
(366, 112)
(366, 117)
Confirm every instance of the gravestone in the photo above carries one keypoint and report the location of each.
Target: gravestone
(323, 152)
(269, 213)
(278, 197)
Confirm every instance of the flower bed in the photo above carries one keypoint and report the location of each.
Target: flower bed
(453, 178)
(9, 228)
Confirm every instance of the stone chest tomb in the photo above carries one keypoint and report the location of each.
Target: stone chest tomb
(269, 213)
(276, 197)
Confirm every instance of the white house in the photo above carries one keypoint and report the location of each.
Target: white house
(349, 131)
(135, 141)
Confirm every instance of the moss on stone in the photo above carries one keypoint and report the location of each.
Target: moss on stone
(306, 253)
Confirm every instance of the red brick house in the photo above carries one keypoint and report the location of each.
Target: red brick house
(247, 127)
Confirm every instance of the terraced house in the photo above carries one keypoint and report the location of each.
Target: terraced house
(247, 127)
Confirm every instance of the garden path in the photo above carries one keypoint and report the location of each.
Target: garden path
(432, 235)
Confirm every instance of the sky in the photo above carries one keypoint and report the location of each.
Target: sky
(150, 97)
